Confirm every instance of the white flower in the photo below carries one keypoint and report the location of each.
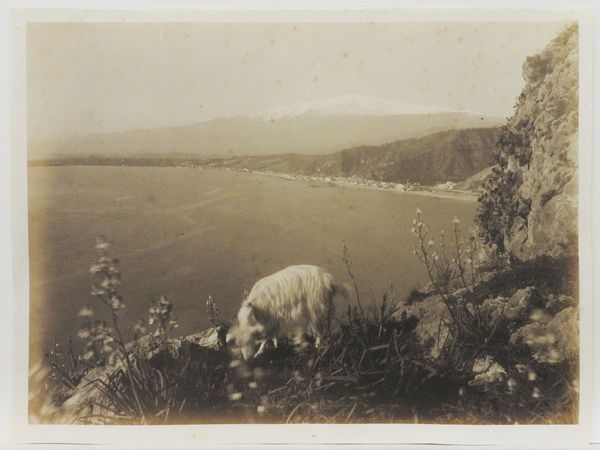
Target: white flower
(83, 333)
(455, 220)
(87, 355)
(97, 290)
(235, 396)
(85, 312)
(96, 268)
(101, 244)
(531, 375)
(116, 303)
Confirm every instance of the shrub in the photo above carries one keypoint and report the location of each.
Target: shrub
(499, 202)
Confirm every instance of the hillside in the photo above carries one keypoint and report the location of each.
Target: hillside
(450, 155)
(315, 128)
(475, 182)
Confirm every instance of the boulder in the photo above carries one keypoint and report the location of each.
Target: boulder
(432, 329)
(194, 353)
(518, 308)
(521, 303)
(553, 341)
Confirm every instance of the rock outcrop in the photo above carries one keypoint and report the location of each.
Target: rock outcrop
(191, 355)
(533, 193)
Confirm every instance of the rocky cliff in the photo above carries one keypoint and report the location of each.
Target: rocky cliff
(531, 200)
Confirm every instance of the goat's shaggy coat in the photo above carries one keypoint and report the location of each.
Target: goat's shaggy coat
(297, 296)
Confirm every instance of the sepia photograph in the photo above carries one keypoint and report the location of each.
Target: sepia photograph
(303, 222)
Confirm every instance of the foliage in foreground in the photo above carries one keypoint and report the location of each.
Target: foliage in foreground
(487, 360)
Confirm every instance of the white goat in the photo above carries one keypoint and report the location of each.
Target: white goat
(297, 296)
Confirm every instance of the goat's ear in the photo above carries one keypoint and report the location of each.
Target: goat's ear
(251, 313)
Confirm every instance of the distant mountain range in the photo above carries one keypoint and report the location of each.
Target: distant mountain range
(318, 127)
(451, 155)
(352, 105)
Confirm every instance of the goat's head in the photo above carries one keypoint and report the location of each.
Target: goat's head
(245, 331)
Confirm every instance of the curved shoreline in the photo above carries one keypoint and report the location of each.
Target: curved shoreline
(344, 182)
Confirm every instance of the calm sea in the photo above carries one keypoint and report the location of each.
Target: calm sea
(188, 233)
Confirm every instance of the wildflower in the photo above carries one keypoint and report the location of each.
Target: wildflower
(98, 342)
(102, 244)
(86, 311)
(531, 375)
(536, 392)
(235, 396)
(98, 291)
(455, 220)
(511, 384)
(116, 302)
(260, 409)
(96, 268)
(538, 315)
(253, 385)
(430, 243)
(160, 313)
(84, 333)
(139, 329)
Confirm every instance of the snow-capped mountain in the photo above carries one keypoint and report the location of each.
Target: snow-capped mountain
(352, 104)
(322, 126)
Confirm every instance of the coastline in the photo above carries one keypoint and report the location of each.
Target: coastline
(333, 181)
(357, 183)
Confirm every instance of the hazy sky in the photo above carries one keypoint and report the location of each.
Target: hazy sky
(87, 78)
